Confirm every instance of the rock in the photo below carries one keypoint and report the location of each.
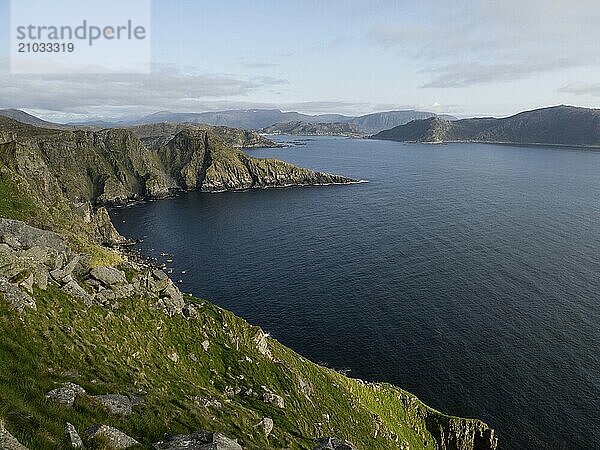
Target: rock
(74, 289)
(108, 275)
(189, 311)
(8, 441)
(113, 437)
(260, 340)
(274, 399)
(199, 440)
(65, 394)
(331, 443)
(15, 296)
(11, 241)
(58, 275)
(157, 281)
(27, 284)
(29, 237)
(40, 276)
(70, 267)
(72, 436)
(205, 345)
(115, 403)
(266, 425)
(173, 357)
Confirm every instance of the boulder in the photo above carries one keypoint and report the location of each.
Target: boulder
(114, 438)
(16, 231)
(74, 289)
(266, 425)
(199, 440)
(331, 443)
(274, 399)
(15, 296)
(73, 438)
(108, 275)
(8, 441)
(262, 345)
(65, 394)
(189, 311)
(115, 403)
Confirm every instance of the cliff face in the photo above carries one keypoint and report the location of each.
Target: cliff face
(560, 125)
(115, 166)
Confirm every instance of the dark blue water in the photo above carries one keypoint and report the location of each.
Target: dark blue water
(467, 274)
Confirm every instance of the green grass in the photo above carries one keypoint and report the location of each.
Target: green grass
(126, 351)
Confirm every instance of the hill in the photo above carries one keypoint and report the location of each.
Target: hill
(558, 125)
(314, 129)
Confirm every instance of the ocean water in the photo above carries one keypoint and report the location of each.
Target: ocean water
(467, 274)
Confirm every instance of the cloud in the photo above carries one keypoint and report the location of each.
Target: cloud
(164, 88)
(473, 42)
(581, 88)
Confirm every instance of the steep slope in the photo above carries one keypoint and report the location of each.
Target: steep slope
(373, 123)
(314, 129)
(29, 119)
(559, 125)
(115, 166)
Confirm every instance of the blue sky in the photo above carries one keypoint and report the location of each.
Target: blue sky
(462, 57)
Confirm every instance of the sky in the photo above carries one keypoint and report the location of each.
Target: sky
(463, 57)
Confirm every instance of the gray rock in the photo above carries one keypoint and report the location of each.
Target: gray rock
(115, 438)
(15, 296)
(29, 236)
(274, 399)
(65, 394)
(266, 425)
(199, 440)
(40, 276)
(108, 275)
(72, 436)
(115, 403)
(58, 275)
(11, 241)
(70, 267)
(8, 441)
(262, 345)
(74, 289)
(331, 443)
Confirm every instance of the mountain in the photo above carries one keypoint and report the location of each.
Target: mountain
(29, 119)
(373, 123)
(557, 125)
(258, 119)
(314, 129)
(100, 349)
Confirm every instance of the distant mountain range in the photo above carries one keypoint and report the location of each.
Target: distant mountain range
(257, 119)
(23, 117)
(557, 125)
(314, 129)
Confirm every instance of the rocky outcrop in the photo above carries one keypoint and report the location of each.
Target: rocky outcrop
(198, 440)
(114, 438)
(115, 403)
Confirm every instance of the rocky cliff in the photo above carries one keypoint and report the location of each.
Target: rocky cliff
(559, 125)
(115, 165)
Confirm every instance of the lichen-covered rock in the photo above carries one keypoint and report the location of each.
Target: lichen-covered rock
(266, 425)
(274, 399)
(108, 275)
(65, 394)
(115, 403)
(73, 438)
(74, 289)
(199, 440)
(15, 296)
(8, 441)
(114, 438)
(262, 345)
